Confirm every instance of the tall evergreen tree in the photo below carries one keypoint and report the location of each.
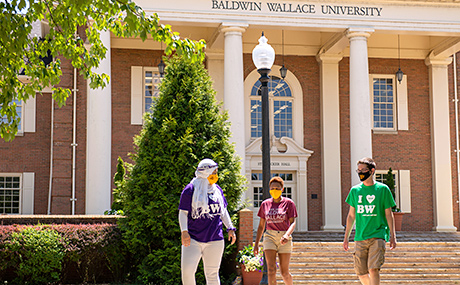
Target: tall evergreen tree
(185, 126)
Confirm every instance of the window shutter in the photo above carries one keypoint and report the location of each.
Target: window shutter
(404, 191)
(136, 95)
(29, 115)
(403, 114)
(28, 184)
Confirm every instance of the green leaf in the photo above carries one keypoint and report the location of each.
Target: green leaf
(19, 49)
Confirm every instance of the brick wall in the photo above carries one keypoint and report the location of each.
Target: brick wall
(410, 149)
(122, 130)
(245, 232)
(30, 152)
(406, 150)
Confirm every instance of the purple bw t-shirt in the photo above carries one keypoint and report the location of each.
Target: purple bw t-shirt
(203, 229)
(277, 214)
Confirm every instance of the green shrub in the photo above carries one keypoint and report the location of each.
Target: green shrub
(185, 126)
(38, 255)
(95, 253)
(68, 254)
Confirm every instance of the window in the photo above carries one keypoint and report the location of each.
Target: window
(256, 181)
(19, 111)
(151, 80)
(281, 108)
(402, 187)
(144, 88)
(389, 103)
(10, 187)
(383, 116)
(380, 176)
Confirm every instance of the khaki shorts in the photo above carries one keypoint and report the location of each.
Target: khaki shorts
(272, 240)
(369, 254)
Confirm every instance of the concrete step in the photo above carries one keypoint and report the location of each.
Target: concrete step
(385, 270)
(386, 266)
(413, 262)
(401, 236)
(382, 282)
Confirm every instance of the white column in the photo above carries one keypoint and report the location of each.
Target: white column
(440, 144)
(234, 85)
(99, 140)
(215, 62)
(302, 199)
(330, 142)
(360, 108)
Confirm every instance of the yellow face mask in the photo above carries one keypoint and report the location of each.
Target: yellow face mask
(275, 193)
(212, 178)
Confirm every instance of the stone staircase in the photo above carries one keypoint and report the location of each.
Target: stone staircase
(419, 259)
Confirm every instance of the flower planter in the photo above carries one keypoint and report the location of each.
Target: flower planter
(398, 220)
(251, 277)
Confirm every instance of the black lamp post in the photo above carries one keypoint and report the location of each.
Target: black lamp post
(263, 57)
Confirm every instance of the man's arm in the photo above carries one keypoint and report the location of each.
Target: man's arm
(391, 225)
(350, 222)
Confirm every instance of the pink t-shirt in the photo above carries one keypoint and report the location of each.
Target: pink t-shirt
(277, 214)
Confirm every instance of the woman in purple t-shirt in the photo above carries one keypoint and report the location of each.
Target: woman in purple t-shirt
(202, 210)
(278, 215)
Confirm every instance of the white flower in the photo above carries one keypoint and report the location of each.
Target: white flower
(252, 263)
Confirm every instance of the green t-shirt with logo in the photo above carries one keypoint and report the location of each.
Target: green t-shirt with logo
(370, 203)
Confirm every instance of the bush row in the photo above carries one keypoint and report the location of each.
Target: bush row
(69, 254)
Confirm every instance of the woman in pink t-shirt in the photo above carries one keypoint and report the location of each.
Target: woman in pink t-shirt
(278, 215)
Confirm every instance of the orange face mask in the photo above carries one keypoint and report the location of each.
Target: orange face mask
(213, 178)
(275, 193)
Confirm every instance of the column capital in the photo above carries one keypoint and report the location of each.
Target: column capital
(435, 61)
(237, 28)
(354, 32)
(328, 58)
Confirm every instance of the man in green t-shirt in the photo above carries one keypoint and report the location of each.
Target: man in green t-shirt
(370, 206)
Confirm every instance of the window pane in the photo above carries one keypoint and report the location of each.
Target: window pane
(256, 118)
(18, 108)
(383, 103)
(287, 192)
(278, 87)
(282, 112)
(282, 118)
(258, 193)
(9, 194)
(151, 81)
(256, 176)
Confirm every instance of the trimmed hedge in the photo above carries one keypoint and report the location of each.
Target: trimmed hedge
(70, 254)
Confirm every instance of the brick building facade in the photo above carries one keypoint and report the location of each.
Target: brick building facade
(315, 155)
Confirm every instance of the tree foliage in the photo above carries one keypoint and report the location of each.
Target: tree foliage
(74, 34)
(186, 126)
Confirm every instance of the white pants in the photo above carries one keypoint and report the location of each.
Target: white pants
(211, 252)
